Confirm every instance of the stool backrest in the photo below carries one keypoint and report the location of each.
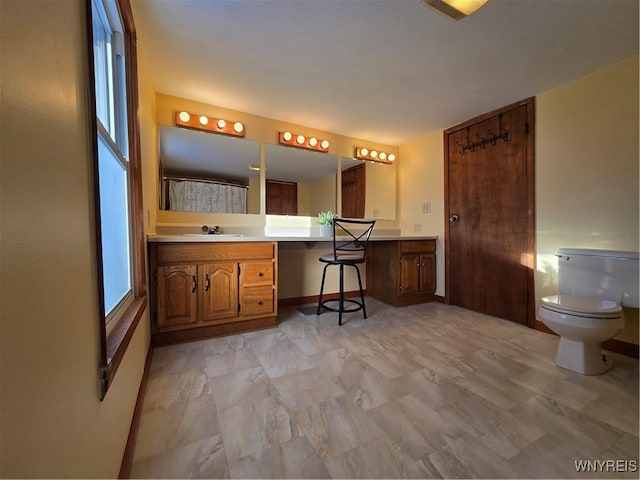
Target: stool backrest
(350, 237)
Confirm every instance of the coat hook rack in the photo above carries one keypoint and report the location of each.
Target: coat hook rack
(491, 140)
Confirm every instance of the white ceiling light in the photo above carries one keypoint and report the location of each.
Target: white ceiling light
(455, 9)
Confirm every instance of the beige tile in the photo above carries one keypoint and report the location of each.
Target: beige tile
(427, 391)
(202, 459)
(251, 428)
(335, 426)
(379, 458)
(293, 459)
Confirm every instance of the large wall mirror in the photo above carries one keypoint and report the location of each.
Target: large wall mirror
(204, 172)
(368, 189)
(299, 182)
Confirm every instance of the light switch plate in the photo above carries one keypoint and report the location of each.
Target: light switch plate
(426, 207)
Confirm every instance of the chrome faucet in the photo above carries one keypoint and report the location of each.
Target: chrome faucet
(210, 230)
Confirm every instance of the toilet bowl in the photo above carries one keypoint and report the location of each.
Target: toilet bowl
(582, 323)
(594, 285)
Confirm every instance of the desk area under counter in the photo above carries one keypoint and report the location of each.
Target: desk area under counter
(215, 285)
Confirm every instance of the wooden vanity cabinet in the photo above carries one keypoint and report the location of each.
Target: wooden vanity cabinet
(402, 272)
(203, 290)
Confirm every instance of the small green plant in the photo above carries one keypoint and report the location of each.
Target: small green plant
(326, 218)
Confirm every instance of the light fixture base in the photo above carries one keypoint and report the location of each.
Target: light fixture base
(454, 9)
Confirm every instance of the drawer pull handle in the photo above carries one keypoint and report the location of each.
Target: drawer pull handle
(260, 274)
(206, 283)
(259, 302)
(194, 284)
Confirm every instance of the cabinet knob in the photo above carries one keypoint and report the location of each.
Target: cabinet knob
(260, 274)
(259, 302)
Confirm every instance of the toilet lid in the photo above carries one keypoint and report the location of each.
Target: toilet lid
(582, 306)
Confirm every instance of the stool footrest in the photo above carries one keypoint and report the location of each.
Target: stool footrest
(360, 306)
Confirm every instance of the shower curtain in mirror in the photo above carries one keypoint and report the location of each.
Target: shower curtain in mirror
(195, 196)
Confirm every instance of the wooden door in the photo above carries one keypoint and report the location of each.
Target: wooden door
(490, 211)
(282, 198)
(219, 282)
(353, 191)
(177, 296)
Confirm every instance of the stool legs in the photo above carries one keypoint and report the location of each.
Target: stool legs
(364, 309)
(324, 273)
(341, 300)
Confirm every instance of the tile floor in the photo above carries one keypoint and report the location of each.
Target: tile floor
(430, 391)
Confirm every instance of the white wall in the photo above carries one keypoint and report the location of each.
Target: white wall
(586, 173)
(52, 422)
(421, 180)
(587, 170)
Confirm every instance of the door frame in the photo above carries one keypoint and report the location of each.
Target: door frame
(530, 181)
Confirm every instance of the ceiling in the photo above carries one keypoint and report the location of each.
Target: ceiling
(381, 70)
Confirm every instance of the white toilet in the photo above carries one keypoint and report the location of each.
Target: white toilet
(594, 285)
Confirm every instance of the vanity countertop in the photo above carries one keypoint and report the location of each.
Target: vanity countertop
(202, 238)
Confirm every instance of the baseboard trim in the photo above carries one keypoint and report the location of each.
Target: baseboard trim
(613, 345)
(211, 331)
(295, 301)
(127, 458)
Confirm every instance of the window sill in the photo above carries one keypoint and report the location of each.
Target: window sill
(118, 341)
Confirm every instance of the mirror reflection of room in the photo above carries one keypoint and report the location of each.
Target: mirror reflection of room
(299, 182)
(368, 189)
(203, 172)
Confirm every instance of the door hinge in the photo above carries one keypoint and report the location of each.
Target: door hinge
(526, 127)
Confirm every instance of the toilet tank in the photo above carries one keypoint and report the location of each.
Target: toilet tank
(603, 274)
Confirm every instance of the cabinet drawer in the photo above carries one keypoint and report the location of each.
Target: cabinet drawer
(256, 300)
(418, 246)
(254, 274)
(169, 253)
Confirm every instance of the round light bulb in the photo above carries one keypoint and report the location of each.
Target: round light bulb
(391, 157)
(383, 156)
(364, 152)
(313, 141)
(238, 127)
(203, 120)
(325, 144)
(221, 124)
(287, 136)
(374, 154)
(300, 139)
(184, 117)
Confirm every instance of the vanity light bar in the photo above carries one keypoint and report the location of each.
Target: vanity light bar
(300, 141)
(209, 124)
(364, 153)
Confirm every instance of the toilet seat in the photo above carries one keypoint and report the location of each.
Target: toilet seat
(577, 306)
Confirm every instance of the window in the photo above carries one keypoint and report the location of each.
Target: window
(117, 179)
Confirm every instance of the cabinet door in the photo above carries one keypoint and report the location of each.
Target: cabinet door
(409, 274)
(177, 296)
(219, 282)
(428, 273)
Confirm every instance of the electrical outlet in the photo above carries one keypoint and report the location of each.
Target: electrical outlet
(417, 227)
(426, 207)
